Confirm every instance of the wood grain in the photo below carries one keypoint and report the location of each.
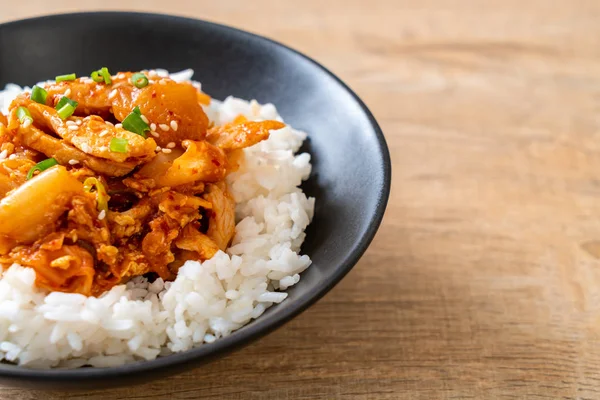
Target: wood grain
(483, 280)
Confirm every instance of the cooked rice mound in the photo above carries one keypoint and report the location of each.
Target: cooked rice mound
(207, 300)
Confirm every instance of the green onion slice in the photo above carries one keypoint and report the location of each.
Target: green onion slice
(105, 75)
(139, 80)
(68, 77)
(136, 110)
(134, 123)
(102, 75)
(66, 107)
(23, 114)
(96, 77)
(38, 94)
(65, 100)
(41, 166)
(101, 195)
(118, 145)
(66, 111)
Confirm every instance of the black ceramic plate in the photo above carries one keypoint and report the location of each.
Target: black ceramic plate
(351, 165)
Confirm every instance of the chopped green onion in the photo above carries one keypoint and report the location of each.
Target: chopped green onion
(38, 94)
(41, 166)
(96, 77)
(101, 75)
(101, 195)
(105, 75)
(118, 145)
(66, 107)
(69, 77)
(139, 80)
(65, 100)
(23, 114)
(136, 110)
(66, 111)
(134, 123)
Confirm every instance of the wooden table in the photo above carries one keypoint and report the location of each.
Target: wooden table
(483, 280)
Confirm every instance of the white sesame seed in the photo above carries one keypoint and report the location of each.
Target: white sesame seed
(87, 80)
(109, 123)
(79, 122)
(171, 145)
(3, 155)
(174, 125)
(103, 133)
(158, 148)
(27, 122)
(85, 148)
(12, 157)
(164, 127)
(162, 82)
(86, 119)
(151, 81)
(69, 123)
(143, 117)
(68, 92)
(153, 126)
(119, 126)
(112, 94)
(73, 127)
(155, 134)
(167, 151)
(73, 162)
(121, 76)
(102, 215)
(152, 74)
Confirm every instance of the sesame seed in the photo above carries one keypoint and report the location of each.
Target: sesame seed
(174, 125)
(12, 157)
(85, 148)
(73, 127)
(151, 81)
(143, 117)
(152, 74)
(158, 148)
(69, 123)
(27, 123)
(87, 80)
(121, 76)
(171, 145)
(153, 126)
(112, 93)
(73, 162)
(164, 127)
(162, 82)
(155, 134)
(166, 151)
(3, 154)
(78, 122)
(109, 123)
(103, 133)
(68, 92)
(119, 126)
(102, 215)
(86, 119)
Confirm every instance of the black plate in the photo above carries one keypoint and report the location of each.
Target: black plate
(351, 163)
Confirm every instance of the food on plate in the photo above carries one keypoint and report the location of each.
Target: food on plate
(140, 217)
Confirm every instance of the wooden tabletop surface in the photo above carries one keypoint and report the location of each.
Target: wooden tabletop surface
(483, 281)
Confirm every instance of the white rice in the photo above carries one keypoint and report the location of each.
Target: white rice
(207, 301)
